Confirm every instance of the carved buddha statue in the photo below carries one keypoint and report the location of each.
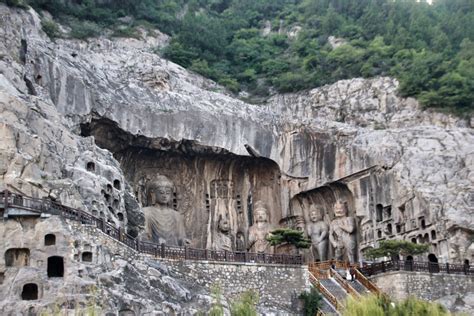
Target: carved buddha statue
(318, 230)
(224, 238)
(260, 230)
(163, 224)
(342, 233)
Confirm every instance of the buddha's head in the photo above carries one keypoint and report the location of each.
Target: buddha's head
(162, 190)
(340, 209)
(261, 215)
(315, 213)
(224, 223)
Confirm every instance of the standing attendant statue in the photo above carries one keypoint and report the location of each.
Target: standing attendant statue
(342, 234)
(163, 224)
(318, 231)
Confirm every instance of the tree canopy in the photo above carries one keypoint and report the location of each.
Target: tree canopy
(393, 248)
(428, 48)
(290, 236)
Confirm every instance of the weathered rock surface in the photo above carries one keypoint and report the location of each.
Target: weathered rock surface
(354, 140)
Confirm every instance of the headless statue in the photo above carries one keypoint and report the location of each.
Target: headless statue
(223, 240)
(343, 233)
(163, 224)
(318, 230)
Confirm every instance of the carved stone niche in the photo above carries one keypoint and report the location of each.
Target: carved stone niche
(331, 221)
(215, 193)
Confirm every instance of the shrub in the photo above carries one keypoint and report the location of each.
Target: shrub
(378, 306)
(15, 3)
(50, 28)
(245, 305)
(84, 29)
(311, 302)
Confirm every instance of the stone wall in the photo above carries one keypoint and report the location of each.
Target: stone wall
(454, 291)
(97, 269)
(276, 285)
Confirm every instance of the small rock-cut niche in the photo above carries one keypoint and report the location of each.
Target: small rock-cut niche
(426, 238)
(87, 256)
(432, 258)
(111, 210)
(423, 223)
(413, 240)
(117, 184)
(387, 212)
(17, 257)
(120, 216)
(433, 234)
(378, 212)
(2, 277)
(379, 234)
(466, 263)
(126, 312)
(49, 239)
(409, 258)
(398, 228)
(55, 267)
(116, 203)
(29, 292)
(109, 188)
(389, 229)
(107, 197)
(90, 166)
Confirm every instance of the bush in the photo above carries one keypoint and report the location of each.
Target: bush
(378, 306)
(15, 3)
(84, 29)
(50, 28)
(311, 302)
(245, 305)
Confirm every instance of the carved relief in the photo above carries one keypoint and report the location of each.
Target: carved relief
(343, 233)
(163, 224)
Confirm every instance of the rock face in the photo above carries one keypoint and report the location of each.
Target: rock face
(92, 123)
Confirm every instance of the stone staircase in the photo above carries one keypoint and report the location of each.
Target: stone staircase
(329, 279)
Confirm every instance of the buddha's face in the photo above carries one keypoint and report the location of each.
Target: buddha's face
(224, 224)
(261, 215)
(315, 216)
(339, 209)
(163, 194)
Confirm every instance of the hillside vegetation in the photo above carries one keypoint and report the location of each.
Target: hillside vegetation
(428, 48)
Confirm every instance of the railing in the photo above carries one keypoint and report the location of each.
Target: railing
(345, 285)
(418, 266)
(327, 294)
(39, 206)
(319, 272)
(367, 283)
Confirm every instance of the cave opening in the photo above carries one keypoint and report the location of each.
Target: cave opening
(29, 292)
(55, 267)
(87, 256)
(49, 239)
(17, 257)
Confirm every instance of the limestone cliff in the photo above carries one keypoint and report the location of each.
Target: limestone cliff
(90, 123)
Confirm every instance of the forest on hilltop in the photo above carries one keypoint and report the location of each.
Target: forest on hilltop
(428, 48)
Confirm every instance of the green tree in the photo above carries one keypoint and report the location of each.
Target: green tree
(394, 248)
(311, 302)
(290, 236)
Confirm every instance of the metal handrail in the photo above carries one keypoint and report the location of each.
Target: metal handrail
(39, 206)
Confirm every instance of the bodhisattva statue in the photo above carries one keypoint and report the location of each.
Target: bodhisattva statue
(163, 224)
(259, 231)
(318, 230)
(223, 239)
(342, 233)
